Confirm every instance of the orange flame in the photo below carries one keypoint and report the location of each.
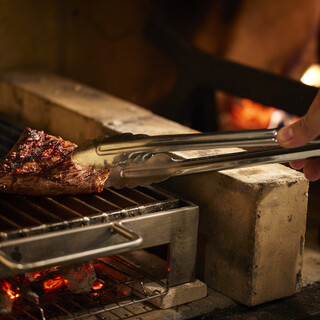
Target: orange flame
(53, 284)
(97, 285)
(251, 115)
(36, 275)
(7, 287)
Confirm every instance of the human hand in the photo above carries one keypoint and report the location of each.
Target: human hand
(300, 133)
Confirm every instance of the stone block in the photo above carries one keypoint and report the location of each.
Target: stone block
(176, 295)
(251, 230)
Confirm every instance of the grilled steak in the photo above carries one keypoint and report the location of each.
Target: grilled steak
(40, 164)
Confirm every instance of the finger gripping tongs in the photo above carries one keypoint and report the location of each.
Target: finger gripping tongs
(136, 160)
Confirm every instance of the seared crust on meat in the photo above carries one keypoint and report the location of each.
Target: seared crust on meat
(40, 164)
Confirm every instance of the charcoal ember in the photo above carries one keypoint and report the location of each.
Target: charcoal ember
(42, 274)
(41, 164)
(79, 277)
(35, 280)
(6, 302)
(31, 277)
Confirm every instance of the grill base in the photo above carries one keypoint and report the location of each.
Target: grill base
(127, 290)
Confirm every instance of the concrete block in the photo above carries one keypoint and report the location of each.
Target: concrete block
(252, 220)
(74, 111)
(311, 266)
(251, 232)
(175, 296)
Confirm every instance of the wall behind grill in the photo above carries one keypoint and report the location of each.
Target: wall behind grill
(101, 43)
(30, 34)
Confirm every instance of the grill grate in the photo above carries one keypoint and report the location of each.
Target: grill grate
(22, 216)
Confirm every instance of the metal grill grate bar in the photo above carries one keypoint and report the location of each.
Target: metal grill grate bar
(115, 197)
(65, 208)
(82, 206)
(122, 196)
(45, 215)
(10, 128)
(77, 305)
(14, 230)
(137, 195)
(26, 313)
(64, 310)
(99, 202)
(9, 222)
(22, 216)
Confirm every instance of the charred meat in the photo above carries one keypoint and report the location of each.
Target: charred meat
(40, 164)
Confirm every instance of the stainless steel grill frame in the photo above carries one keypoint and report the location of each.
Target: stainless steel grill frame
(38, 245)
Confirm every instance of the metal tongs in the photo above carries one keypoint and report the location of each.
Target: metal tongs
(136, 160)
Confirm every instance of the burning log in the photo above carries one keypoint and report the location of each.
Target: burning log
(53, 284)
(79, 278)
(40, 275)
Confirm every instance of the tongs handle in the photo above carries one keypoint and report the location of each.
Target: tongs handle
(247, 158)
(128, 143)
(162, 166)
(128, 149)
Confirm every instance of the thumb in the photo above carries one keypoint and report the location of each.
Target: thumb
(304, 130)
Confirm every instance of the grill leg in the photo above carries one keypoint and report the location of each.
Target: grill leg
(179, 229)
(182, 253)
